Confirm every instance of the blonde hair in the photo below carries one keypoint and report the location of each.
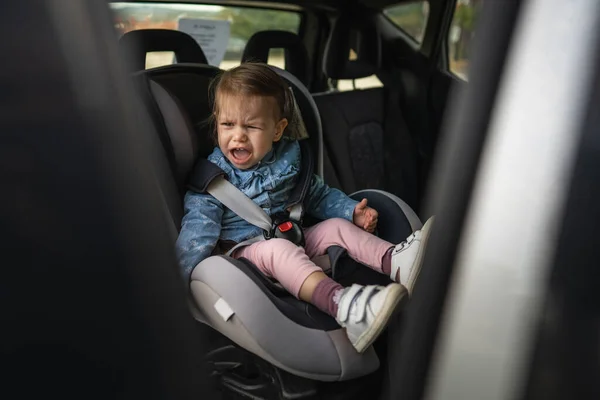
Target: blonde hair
(258, 79)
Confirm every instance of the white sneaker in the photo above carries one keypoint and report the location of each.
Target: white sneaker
(408, 257)
(365, 310)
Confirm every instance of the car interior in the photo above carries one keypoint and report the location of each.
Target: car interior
(178, 96)
(97, 178)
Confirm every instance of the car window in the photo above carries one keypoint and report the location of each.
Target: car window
(221, 31)
(410, 17)
(462, 31)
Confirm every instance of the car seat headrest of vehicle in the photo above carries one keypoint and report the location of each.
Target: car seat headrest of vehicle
(296, 56)
(136, 44)
(353, 50)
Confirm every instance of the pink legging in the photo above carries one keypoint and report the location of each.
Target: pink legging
(291, 265)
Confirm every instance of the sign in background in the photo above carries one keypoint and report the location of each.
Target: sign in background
(211, 35)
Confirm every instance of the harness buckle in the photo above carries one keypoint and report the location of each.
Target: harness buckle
(286, 228)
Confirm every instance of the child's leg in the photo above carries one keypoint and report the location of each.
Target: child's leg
(289, 265)
(362, 246)
(363, 310)
(282, 260)
(401, 262)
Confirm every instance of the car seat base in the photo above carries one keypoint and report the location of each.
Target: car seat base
(239, 373)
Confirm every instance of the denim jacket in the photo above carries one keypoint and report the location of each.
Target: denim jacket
(269, 184)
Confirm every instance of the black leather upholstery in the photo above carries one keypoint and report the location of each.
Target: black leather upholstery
(296, 56)
(136, 44)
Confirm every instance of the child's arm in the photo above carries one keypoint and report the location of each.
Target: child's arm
(200, 230)
(324, 202)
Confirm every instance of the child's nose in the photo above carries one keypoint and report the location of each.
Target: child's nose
(239, 134)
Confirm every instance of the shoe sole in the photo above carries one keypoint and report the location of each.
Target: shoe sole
(395, 294)
(416, 269)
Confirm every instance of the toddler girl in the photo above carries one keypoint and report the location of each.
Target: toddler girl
(257, 130)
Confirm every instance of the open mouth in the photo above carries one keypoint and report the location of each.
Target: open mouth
(240, 155)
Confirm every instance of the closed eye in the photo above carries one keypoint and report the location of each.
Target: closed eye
(229, 124)
(253, 127)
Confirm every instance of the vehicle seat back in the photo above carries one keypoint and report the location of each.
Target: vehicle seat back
(296, 56)
(365, 136)
(137, 43)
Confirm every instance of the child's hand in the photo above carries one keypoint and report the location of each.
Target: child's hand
(365, 217)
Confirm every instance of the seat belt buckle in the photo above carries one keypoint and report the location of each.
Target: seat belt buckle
(286, 228)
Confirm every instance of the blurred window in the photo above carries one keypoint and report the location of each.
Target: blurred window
(231, 27)
(460, 36)
(411, 18)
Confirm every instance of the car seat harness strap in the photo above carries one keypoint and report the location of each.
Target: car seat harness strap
(208, 178)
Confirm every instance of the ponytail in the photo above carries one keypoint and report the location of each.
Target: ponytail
(296, 129)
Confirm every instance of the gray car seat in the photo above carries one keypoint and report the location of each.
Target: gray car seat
(231, 296)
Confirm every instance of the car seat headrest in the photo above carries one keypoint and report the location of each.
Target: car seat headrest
(136, 44)
(353, 49)
(296, 55)
(180, 122)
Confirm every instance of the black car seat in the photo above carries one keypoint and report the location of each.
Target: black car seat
(137, 43)
(231, 295)
(296, 56)
(365, 135)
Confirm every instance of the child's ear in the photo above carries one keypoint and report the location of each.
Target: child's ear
(279, 129)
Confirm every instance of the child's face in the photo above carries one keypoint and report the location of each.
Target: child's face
(247, 127)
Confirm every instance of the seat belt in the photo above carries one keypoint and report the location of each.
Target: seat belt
(208, 178)
(234, 199)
